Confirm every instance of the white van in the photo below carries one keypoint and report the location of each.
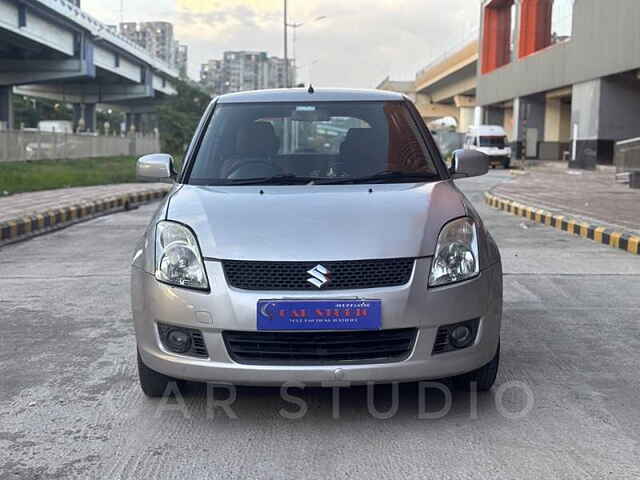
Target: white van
(490, 140)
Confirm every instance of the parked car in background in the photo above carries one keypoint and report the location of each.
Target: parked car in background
(276, 260)
(492, 141)
(52, 139)
(55, 126)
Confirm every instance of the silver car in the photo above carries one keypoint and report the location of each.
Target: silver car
(314, 237)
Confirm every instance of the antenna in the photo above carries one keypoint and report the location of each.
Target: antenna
(311, 90)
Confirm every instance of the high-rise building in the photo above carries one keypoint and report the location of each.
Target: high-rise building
(181, 57)
(244, 70)
(211, 76)
(158, 39)
(133, 32)
(277, 73)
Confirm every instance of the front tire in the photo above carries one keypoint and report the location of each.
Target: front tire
(506, 163)
(484, 377)
(153, 384)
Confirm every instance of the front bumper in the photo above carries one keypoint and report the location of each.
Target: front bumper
(225, 308)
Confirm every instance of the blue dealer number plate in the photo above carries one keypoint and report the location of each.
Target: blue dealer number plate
(319, 315)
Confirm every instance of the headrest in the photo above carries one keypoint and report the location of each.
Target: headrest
(363, 151)
(258, 138)
(359, 139)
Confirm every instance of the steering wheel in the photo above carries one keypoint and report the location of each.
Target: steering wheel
(256, 168)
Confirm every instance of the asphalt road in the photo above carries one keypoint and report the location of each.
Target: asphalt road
(567, 403)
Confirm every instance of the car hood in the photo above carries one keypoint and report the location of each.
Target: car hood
(318, 222)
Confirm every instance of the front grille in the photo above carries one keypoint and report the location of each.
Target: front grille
(349, 275)
(319, 348)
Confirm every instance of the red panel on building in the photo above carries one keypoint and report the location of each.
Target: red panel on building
(496, 43)
(535, 26)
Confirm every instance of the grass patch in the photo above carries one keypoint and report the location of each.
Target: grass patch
(16, 177)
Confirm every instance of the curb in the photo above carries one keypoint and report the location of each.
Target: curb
(598, 233)
(21, 228)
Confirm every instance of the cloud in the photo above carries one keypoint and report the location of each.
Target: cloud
(358, 44)
(207, 6)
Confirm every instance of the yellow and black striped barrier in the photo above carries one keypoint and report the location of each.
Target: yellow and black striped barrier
(607, 236)
(53, 219)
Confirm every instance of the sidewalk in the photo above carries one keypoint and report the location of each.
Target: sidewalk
(591, 196)
(586, 203)
(27, 214)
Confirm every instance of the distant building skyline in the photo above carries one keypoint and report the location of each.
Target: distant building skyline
(245, 70)
(357, 44)
(159, 40)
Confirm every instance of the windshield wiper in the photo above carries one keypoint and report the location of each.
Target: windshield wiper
(274, 180)
(387, 176)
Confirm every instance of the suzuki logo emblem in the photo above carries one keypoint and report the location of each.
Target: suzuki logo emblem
(320, 276)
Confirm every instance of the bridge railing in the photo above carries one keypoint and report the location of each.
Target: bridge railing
(451, 47)
(71, 12)
(25, 145)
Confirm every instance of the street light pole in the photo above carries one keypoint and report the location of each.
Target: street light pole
(295, 27)
(286, 53)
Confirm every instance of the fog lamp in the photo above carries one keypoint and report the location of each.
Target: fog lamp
(461, 336)
(178, 341)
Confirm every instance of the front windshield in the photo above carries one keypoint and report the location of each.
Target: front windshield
(311, 142)
(493, 141)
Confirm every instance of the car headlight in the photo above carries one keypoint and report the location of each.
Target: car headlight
(456, 257)
(178, 257)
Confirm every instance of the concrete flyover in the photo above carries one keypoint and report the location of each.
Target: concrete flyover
(447, 86)
(52, 49)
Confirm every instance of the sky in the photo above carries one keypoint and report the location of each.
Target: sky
(357, 45)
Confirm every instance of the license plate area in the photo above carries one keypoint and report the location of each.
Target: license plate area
(282, 315)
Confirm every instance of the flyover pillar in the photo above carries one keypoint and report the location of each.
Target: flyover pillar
(137, 122)
(6, 107)
(77, 116)
(84, 117)
(128, 122)
(90, 117)
(466, 119)
(134, 121)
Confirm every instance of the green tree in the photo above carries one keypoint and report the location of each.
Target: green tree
(111, 115)
(28, 111)
(178, 117)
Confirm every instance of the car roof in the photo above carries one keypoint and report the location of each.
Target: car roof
(486, 129)
(303, 95)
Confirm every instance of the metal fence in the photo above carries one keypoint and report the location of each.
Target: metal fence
(627, 158)
(25, 145)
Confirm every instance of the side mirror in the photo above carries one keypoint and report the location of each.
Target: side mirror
(155, 167)
(469, 163)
